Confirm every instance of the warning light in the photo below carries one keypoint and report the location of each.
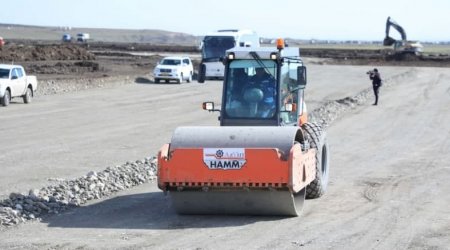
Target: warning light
(280, 43)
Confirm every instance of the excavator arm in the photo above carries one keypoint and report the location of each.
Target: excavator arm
(388, 41)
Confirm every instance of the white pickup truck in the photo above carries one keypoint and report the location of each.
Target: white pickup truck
(15, 83)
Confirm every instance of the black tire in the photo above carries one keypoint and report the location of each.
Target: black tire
(156, 80)
(318, 140)
(28, 96)
(190, 77)
(6, 98)
(201, 73)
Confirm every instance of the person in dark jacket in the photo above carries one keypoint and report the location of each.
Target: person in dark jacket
(375, 76)
(266, 83)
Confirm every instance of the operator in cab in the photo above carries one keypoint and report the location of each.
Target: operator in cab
(265, 82)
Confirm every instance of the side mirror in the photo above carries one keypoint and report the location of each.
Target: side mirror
(301, 76)
(290, 107)
(200, 46)
(209, 106)
(14, 77)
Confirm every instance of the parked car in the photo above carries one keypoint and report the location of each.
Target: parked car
(83, 37)
(67, 38)
(174, 68)
(15, 83)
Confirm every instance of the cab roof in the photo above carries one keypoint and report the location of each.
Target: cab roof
(231, 32)
(9, 66)
(263, 52)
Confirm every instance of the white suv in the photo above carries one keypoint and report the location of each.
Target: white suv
(175, 68)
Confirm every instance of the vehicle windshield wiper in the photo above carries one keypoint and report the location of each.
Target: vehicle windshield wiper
(260, 62)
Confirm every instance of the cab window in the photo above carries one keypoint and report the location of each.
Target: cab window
(251, 90)
(19, 72)
(14, 74)
(4, 73)
(289, 92)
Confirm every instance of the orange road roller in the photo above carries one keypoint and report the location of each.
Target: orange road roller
(265, 158)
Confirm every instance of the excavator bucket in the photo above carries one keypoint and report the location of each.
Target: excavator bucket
(388, 41)
(236, 170)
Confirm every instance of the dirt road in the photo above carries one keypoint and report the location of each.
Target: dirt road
(68, 135)
(389, 167)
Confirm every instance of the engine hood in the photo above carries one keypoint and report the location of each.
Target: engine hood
(167, 67)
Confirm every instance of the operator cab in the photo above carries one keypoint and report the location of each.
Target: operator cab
(262, 87)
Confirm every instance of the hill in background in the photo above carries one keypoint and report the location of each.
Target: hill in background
(13, 31)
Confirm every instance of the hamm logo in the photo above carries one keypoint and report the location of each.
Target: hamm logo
(224, 158)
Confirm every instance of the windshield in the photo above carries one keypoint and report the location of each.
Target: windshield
(214, 47)
(171, 62)
(251, 90)
(4, 73)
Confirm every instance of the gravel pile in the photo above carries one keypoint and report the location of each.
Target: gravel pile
(326, 114)
(64, 194)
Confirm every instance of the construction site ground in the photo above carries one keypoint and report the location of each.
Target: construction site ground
(389, 168)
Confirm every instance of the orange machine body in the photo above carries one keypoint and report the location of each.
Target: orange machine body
(263, 168)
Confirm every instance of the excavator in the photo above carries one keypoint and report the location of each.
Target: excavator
(265, 158)
(402, 46)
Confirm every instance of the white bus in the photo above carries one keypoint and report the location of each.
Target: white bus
(213, 48)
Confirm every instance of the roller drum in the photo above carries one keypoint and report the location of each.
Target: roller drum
(235, 137)
(237, 201)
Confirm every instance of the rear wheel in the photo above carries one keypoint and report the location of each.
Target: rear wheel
(28, 96)
(156, 80)
(6, 98)
(318, 140)
(202, 73)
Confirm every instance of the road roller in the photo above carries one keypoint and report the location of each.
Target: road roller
(265, 158)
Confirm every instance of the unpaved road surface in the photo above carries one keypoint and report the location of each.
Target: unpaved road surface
(388, 189)
(68, 135)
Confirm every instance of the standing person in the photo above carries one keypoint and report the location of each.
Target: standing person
(376, 83)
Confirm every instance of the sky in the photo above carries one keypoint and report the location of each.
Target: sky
(299, 19)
